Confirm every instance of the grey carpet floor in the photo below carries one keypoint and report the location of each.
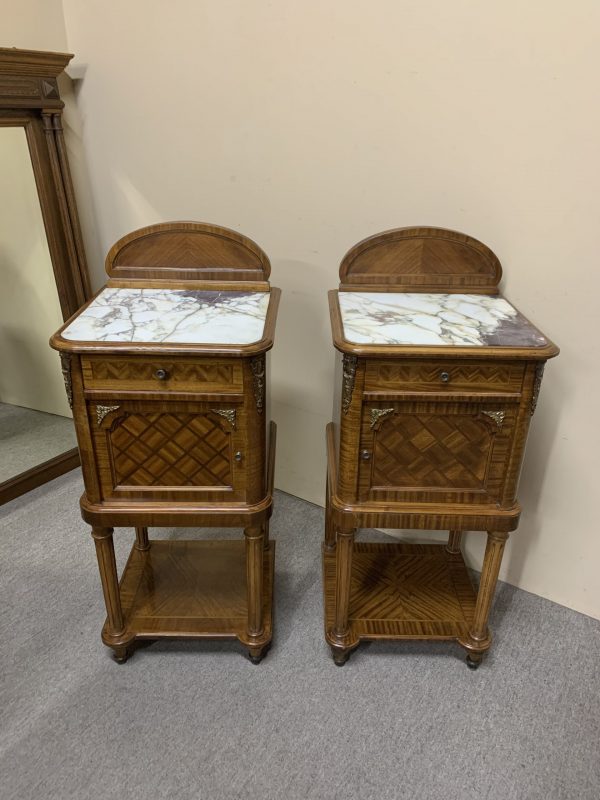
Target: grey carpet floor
(197, 720)
(29, 437)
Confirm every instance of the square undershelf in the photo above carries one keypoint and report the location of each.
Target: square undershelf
(192, 589)
(403, 591)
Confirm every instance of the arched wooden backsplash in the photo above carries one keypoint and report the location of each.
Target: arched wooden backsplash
(419, 260)
(187, 251)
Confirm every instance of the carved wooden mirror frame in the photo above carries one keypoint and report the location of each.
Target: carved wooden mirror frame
(29, 98)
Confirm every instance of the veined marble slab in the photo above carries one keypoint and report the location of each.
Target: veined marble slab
(172, 315)
(434, 319)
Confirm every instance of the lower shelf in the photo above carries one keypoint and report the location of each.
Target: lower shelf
(191, 590)
(403, 591)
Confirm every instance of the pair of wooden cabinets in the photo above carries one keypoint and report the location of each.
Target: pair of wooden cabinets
(166, 369)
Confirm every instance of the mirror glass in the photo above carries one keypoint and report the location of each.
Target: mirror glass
(35, 420)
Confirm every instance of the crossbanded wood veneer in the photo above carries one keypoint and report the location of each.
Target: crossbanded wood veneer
(425, 437)
(177, 434)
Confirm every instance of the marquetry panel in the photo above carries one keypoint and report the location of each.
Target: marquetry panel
(421, 259)
(187, 251)
(192, 588)
(451, 452)
(162, 451)
(184, 375)
(443, 376)
(170, 450)
(405, 591)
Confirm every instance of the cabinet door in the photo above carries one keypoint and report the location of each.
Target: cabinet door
(163, 450)
(431, 451)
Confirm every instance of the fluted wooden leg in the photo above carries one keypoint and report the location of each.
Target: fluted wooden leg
(107, 565)
(487, 585)
(343, 566)
(141, 539)
(254, 579)
(479, 639)
(266, 534)
(454, 542)
(329, 526)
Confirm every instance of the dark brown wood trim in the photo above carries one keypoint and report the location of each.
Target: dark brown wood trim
(29, 98)
(16, 61)
(36, 476)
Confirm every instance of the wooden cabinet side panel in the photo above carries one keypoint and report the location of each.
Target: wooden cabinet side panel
(337, 398)
(353, 382)
(523, 421)
(256, 409)
(89, 466)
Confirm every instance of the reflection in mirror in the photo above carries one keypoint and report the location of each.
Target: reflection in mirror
(35, 419)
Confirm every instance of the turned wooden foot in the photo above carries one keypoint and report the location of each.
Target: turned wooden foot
(256, 654)
(474, 660)
(340, 656)
(121, 654)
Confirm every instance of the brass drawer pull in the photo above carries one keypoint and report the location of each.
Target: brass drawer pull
(444, 377)
(161, 374)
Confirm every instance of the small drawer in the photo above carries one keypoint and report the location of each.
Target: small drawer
(443, 376)
(162, 374)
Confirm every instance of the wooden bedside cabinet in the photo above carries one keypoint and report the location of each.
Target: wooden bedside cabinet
(437, 380)
(167, 375)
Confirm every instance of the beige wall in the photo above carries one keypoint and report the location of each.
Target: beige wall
(33, 25)
(310, 125)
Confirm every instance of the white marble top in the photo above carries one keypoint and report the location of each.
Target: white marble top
(434, 319)
(172, 315)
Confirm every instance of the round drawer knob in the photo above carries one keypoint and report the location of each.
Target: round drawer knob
(161, 374)
(365, 455)
(444, 377)
(238, 456)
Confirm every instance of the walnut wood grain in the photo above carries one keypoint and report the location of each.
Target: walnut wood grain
(190, 590)
(421, 259)
(176, 435)
(459, 376)
(422, 438)
(107, 566)
(454, 542)
(479, 637)
(141, 538)
(182, 374)
(254, 580)
(343, 568)
(187, 251)
(401, 591)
